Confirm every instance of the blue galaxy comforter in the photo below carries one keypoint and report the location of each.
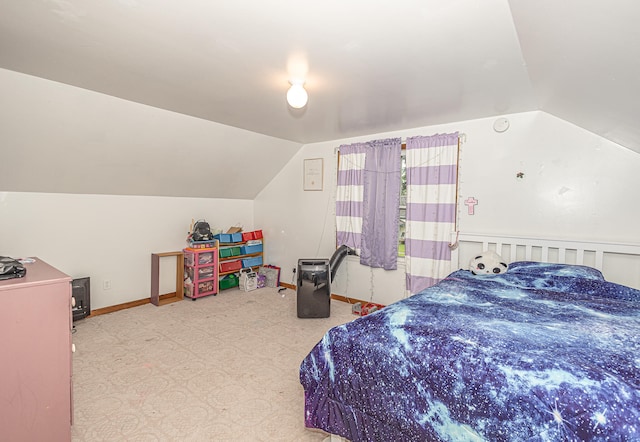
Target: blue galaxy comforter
(544, 352)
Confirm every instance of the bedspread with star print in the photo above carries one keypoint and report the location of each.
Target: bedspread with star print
(543, 352)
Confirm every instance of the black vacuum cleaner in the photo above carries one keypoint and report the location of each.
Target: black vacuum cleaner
(314, 283)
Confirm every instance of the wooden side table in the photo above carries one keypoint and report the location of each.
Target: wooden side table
(155, 278)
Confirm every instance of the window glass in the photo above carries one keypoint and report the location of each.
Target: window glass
(402, 225)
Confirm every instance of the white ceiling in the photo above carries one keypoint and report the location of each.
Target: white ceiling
(369, 66)
(583, 60)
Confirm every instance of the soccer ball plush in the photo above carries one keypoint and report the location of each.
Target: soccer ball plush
(488, 263)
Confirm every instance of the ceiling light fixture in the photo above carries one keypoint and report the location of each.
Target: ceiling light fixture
(296, 95)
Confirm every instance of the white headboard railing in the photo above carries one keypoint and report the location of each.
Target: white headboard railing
(512, 248)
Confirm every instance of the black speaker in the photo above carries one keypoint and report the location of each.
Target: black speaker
(80, 290)
(314, 288)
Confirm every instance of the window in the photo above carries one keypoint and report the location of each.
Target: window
(434, 162)
(402, 224)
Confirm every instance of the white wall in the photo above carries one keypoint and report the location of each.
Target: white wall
(64, 139)
(83, 147)
(109, 237)
(576, 185)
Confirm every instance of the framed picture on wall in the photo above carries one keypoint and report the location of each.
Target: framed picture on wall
(313, 173)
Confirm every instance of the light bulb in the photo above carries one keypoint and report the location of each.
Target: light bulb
(297, 96)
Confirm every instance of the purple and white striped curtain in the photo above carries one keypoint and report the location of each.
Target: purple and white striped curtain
(350, 195)
(431, 208)
(367, 200)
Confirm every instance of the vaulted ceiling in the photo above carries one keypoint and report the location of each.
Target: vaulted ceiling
(369, 67)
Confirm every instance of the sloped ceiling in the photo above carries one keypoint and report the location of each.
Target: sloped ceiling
(583, 63)
(368, 67)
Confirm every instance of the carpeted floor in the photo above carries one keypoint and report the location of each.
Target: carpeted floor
(221, 368)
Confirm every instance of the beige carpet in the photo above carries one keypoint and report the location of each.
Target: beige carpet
(221, 368)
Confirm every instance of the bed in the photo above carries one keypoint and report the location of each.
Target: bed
(548, 351)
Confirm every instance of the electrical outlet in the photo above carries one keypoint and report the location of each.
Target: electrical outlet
(106, 284)
(294, 270)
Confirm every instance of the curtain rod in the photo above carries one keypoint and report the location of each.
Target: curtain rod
(461, 136)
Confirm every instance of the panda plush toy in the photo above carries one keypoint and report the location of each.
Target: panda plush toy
(488, 263)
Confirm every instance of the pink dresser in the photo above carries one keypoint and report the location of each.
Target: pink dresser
(35, 362)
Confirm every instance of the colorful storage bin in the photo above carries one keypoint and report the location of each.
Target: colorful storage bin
(256, 234)
(248, 250)
(223, 237)
(228, 238)
(252, 262)
(229, 281)
(231, 266)
(226, 252)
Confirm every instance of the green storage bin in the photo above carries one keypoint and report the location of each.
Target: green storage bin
(226, 252)
(229, 281)
(235, 251)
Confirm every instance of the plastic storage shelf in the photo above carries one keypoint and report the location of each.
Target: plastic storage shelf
(201, 272)
(237, 251)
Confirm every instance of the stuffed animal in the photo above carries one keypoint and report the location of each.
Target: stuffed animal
(488, 263)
